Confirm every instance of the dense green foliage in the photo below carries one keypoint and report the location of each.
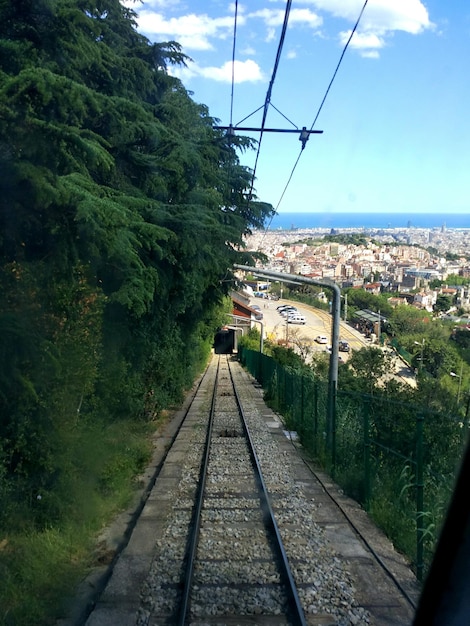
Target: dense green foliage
(438, 351)
(356, 239)
(122, 211)
(452, 279)
(307, 294)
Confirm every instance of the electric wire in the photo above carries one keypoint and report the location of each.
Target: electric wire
(339, 63)
(247, 116)
(267, 100)
(317, 114)
(285, 117)
(233, 60)
(229, 171)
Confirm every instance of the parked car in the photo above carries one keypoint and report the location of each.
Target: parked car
(295, 319)
(321, 339)
(257, 312)
(288, 311)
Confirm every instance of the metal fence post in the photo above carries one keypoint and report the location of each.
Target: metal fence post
(280, 382)
(366, 437)
(315, 416)
(419, 497)
(333, 368)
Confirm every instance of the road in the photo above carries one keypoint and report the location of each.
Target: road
(319, 322)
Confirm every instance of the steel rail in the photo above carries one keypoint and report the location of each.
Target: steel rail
(295, 606)
(196, 516)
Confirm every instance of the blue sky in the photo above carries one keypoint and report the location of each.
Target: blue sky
(396, 122)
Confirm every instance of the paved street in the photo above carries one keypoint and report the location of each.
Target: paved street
(318, 322)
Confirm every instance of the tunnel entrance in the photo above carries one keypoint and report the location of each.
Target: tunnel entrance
(224, 341)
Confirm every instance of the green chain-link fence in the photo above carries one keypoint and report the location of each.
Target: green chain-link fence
(397, 460)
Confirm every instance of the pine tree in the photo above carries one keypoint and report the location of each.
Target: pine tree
(122, 211)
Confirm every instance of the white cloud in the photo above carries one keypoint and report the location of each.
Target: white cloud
(379, 20)
(275, 17)
(305, 17)
(271, 17)
(367, 44)
(244, 71)
(410, 16)
(158, 20)
(192, 31)
(248, 51)
(362, 40)
(370, 54)
(271, 34)
(152, 4)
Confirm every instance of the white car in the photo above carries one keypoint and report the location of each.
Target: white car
(321, 339)
(295, 318)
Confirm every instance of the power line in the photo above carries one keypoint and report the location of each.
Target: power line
(233, 59)
(319, 109)
(304, 134)
(339, 62)
(267, 100)
(276, 63)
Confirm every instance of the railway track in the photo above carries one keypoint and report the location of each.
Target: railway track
(231, 482)
(238, 531)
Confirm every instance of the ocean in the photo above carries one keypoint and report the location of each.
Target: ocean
(290, 221)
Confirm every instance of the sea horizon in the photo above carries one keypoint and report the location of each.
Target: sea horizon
(302, 221)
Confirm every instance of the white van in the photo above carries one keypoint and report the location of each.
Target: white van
(295, 318)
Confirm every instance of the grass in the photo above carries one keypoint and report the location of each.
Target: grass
(41, 564)
(40, 569)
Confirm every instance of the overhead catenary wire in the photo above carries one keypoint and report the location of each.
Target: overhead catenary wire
(319, 111)
(339, 63)
(267, 100)
(233, 60)
(304, 134)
